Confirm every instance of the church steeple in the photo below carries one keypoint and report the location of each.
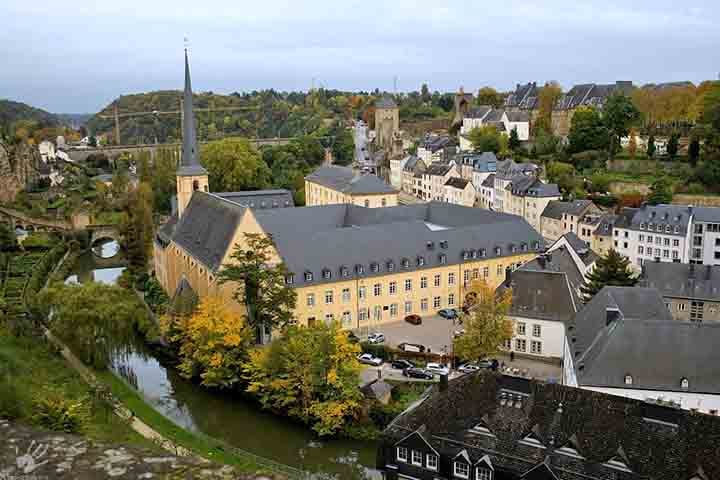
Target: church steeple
(191, 176)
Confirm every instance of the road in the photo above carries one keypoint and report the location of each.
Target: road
(362, 157)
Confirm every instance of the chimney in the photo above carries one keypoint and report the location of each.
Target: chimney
(612, 314)
(443, 383)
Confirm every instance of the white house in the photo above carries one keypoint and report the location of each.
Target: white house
(487, 192)
(519, 121)
(460, 192)
(625, 342)
(396, 169)
(433, 148)
(705, 236)
(505, 120)
(47, 151)
(432, 186)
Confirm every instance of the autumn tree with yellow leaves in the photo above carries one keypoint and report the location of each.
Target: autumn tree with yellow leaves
(310, 374)
(487, 325)
(213, 343)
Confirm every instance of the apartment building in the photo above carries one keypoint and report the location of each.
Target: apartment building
(334, 184)
(578, 216)
(433, 179)
(528, 196)
(460, 192)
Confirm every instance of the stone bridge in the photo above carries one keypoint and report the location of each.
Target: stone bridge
(78, 154)
(98, 232)
(20, 219)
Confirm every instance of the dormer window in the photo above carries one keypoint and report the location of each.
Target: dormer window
(523, 247)
(420, 261)
(359, 269)
(668, 228)
(659, 228)
(344, 271)
(512, 248)
(374, 267)
(498, 250)
(483, 253)
(677, 229)
(684, 383)
(390, 266)
(651, 226)
(628, 379)
(405, 263)
(327, 274)
(290, 279)
(443, 244)
(308, 276)
(642, 226)
(465, 254)
(461, 469)
(442, 258)
(474, 254)
(536, 246)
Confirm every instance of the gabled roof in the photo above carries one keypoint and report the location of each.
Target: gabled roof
(494, 115)
(439, 169)
(509, 169)
(581, 247)
(681, 280)
(557, 208)
(413, 163)
(184, 300)
(456, 182)
(207, 227)
(517, 117)
(489, 181)
(524, 96)
(531, 186)
(657, 216)
(605, 225)
(707, 214)
(478, 112)
(346, 180)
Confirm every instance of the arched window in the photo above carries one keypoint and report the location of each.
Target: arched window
(196, 185)
(628, 379)
(684, 383)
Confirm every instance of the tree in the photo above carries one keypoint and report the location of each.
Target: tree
(619, 114)
(651, 146)
(489, 96)
(214, 344)
(547, 98)
(425, 93)
(694, 150)
(97, 321)
(660, 192)
(311, 373)
(7, 238)
(487, 325)
(488, 139)
(587, 131)
(260, 284)
(234, 165)
(672, 145)
(632, 145)
(610, 270)
(137, 227)
(514, 140)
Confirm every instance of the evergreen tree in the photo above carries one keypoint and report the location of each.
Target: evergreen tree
(514, 141)
(672, 146)
(694, 151)
(7, 238)
(611, 270)
(651, 146)
(660, 192)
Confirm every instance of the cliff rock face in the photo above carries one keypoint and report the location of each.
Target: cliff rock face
(27, 453)
(18, 168)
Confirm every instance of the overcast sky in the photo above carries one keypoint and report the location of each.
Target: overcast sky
(78, 56)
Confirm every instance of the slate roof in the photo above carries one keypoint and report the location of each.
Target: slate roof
(581, 248)
(489, 181)
(557, 208)
(413, 162)
(478, 112)
(339, 237)
(509, 169)
(591, 94)
(680, 280)
(707, 214)
(344, 179)
(633, 302)
(486, 162)
(495, 115)
(433, 143)
(385, 101)
(165, 232)
(515, 116)
(280, 198)
(655, 442)
(184, 299)
(440, 169)
(456, 182)
(650, 217)
(531, 186)
(207, 228)
(524, 96)
(547, 287)
(190, 160)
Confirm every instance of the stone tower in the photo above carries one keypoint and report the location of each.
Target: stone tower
(387, 122)
(190, 176)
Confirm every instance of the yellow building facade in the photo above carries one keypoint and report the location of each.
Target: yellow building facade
(330, 185)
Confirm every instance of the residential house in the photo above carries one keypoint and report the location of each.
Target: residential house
(507, 171)
(579, 250)
(602, 237)
(546, 297)
(524, 97)
(705, 248)
(487, 192)
(590, 94)
(654, 233)
(412, 175)
(486, 426)
(575, 216)
(334, 184)
(47, 151)
(397, 166)
(528, 196)
(625, 342)
(469, 163)
(435, 148)
(460, 192)
(504, 120)
(433, 181)
(471, 120)
(518, 121)
(691, 292)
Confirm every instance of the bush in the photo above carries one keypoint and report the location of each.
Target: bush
(53, 411)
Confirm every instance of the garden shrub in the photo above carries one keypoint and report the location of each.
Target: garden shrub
(55, 412)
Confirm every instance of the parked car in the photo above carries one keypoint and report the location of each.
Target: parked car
(437, 368)
(411, 347)
(448, 313)
(414, 319)
(369, 359)
(468, 368)
(418, 373)
(459, 333)
(376, 338)
(402, 364)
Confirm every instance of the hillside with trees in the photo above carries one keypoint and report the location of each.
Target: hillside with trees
(12, 112)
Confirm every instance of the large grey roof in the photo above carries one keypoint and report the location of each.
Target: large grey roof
(591, 94)
(280, 198)
(478, 112)
(207, 227)
(707, 214)
(385, 101)
(517, 116)
(344, 179)
(413, 163)
(189, 163)
(531, 186)
(495, 115)
(681, 280)
(633, 302)
(509, 169)
(658, 355)
(557, 208)
(489, 181)
(605, 225)
(335, 236)
(525, 96)
(434, 143)
(547, 287)
(656, 216)
(581, 248)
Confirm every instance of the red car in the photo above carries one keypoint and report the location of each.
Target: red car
(414, 319)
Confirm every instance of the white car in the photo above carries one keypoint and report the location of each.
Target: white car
(468, 368)
(376, 338)
(368, 359)
(437, 368)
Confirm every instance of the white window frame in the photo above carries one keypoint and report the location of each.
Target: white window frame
(408, 284)
(329, 297)
(451, 278)
(431, 465)
(408, 307)
(466, 470)
(483, 473)
(404, 457)
(413, 453)
(423, 282)
(437, 279)
(346, 294)
(377, 289)
(536, 347)
(451, 299)
(536, 330)
(393, 309)
(424, 305)
(392, 288)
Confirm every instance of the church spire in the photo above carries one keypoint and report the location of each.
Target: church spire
(189, 163)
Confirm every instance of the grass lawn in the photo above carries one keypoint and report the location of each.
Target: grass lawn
(204, 447)
(28, 370)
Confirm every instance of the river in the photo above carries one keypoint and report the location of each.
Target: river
(235, 421)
